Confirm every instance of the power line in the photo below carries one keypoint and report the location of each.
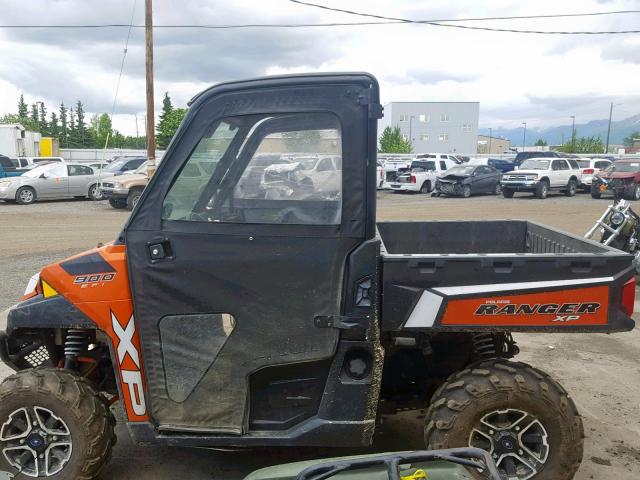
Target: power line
(382, 20)
(441, 22)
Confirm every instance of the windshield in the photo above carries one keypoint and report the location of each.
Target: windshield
(423, 166)
(535, 164)
(584, 163)
(37, 171)
(623, 167)
(116, 165)
(142, 168)
(462, 171)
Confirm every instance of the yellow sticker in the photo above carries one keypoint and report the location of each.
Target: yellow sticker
(418, 474)
(47, 290)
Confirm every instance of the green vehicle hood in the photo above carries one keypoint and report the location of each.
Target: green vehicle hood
(435, 470)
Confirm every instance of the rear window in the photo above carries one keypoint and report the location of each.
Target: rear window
(423, 166)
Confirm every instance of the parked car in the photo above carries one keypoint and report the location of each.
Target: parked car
(421, 176)
(540, 175)
(303, 178)
(51, 181)
(7, 168)
(99, 165)
(621, 179)
(589, 167)
(126, 190)
(380, 175)
(28, 163)
(522, 156)
(499, 164)
(465, 180)
(123, 165)
(391, 168)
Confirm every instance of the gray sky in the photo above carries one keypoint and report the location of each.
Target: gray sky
(515, 77)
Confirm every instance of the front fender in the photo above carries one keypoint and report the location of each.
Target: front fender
(39, 312)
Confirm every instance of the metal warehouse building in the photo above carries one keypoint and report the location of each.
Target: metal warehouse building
(448, 127)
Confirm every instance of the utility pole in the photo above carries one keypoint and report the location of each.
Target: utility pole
(524, 134)
(606, 150)
(573, 133)
(489, 152)
(150, 124)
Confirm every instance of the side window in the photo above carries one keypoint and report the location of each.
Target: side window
(24, 162)
(273, 169)
(443, 165)
(561, 165)
(574, 165)
(77, 170)
(555, 165)
(57, 171)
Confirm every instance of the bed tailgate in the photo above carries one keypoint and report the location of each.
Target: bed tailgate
(581, 293)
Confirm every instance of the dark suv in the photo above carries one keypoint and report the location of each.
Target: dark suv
(522, 156)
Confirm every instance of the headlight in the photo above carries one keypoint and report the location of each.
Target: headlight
(33, 283)
(531, 177)
(5, 184)
(117, 185)
(617, 218)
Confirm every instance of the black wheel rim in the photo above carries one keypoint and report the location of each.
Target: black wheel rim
(517, 441)
(36, 442)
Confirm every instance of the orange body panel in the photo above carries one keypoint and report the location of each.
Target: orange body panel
(580, 306)
(106, 299)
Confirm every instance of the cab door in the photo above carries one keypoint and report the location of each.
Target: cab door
(233, 280)
(80, 176)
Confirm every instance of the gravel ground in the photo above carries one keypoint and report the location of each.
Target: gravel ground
(602, 372)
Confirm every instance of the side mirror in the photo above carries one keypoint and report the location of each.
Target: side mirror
(43, 175)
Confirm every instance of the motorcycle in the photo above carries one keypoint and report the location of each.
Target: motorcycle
(619, 227)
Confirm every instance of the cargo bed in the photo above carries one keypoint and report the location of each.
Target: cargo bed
(461, 274)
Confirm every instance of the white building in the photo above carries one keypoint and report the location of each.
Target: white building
(16, 141)
(448, 127)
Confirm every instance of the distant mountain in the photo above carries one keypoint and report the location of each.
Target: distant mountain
(555, 135)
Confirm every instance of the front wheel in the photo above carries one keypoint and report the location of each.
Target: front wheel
(507, 192)
(425, 188)
(542, 190)
(497, 190)
(466, 191)
(25, 195)
(519, 414)
(117, 203)
(636, 192)
(53, 424)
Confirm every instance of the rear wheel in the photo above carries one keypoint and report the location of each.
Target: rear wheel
(520, 415)
(572, 187)
(53, 424)
(542, 190)
(132, 199)
(25, 195)
(425, 188)
(95, 193)
(507, 192)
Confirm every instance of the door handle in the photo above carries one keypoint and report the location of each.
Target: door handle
(160, 250)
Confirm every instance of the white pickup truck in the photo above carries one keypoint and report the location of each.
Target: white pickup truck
(421, 175)
(540, 175)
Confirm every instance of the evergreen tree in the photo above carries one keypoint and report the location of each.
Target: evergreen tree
(164, 132)
(72, 141)
(82, 134)
(64, 127)
(35, 117)
(54, 128)
(23, 109)
(42, 121)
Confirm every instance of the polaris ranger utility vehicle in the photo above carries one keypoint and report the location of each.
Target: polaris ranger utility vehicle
(234, 318)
